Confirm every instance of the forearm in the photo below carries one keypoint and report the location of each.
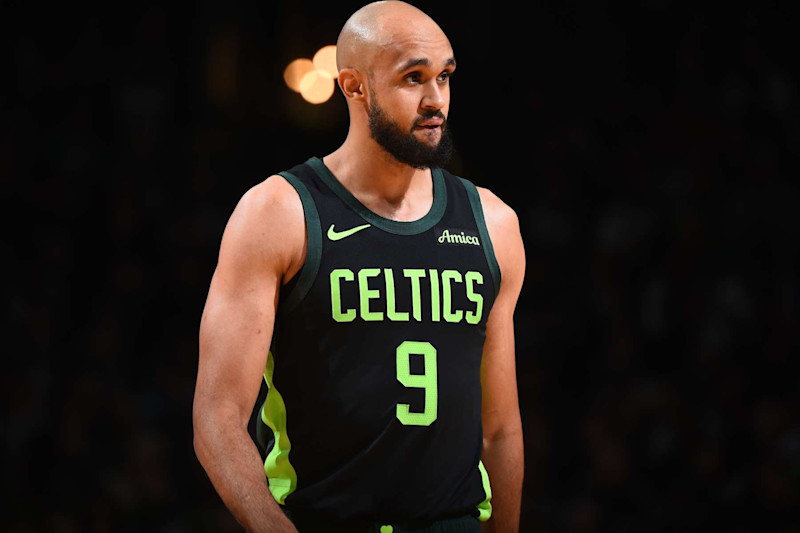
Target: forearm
(233, 464)
(503, 458)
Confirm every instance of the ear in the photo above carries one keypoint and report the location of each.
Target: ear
(351, 84)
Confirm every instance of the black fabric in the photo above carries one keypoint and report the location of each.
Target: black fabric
(310, 522)
(353, 457)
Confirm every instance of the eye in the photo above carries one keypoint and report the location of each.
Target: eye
(444, 75)
(413, 77)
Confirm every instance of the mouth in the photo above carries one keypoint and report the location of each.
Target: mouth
(430, 124)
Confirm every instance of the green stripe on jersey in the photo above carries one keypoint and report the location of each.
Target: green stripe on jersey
(485, 507)
(280, 472)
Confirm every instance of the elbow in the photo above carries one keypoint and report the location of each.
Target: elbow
(206, 426)
(507, 445)
(212, 428)
(510, 435)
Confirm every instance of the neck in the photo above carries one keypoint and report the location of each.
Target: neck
(383, 184)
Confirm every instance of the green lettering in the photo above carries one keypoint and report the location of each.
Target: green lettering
(391, 311)
(471, 278)
(416, 300)
(428, 381)
(336, 296)
(435, 309)
(449, 314)
(366, 294)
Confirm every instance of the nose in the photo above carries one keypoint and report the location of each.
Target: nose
(434, 97)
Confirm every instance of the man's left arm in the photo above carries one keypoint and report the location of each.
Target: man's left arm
(503, 455)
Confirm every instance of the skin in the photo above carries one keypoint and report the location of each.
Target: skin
(392, 51)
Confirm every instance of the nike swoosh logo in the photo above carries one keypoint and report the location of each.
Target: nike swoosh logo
(337, 235)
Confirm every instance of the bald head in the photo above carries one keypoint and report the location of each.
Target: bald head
(394, 66)
(381, 26)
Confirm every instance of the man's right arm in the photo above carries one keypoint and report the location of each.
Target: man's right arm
(235, 336)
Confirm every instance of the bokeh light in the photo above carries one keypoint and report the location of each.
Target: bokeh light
(325, 60)
(316, 87)
(313, 78)
(294, 73)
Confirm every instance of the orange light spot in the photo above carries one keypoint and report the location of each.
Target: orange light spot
(325, 60)
(316, 87)
(293, 74)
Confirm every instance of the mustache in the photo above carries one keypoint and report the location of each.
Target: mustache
(430, 114)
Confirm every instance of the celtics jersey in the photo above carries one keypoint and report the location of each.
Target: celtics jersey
(373, 406)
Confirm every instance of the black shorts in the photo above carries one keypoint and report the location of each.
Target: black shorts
(306, 522)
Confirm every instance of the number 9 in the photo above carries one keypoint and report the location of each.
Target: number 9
(427, 380)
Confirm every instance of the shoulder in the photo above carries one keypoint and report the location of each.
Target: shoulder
(264, 208)
(267, 225)
(498, 213)
(262, 199)
(502, 223)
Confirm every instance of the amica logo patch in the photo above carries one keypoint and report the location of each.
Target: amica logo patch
(457, 236)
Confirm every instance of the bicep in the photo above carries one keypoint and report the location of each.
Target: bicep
(235, 333)
(239, 314)
(500, 406)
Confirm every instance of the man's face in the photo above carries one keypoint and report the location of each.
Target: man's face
(409, 101)
(421, 146)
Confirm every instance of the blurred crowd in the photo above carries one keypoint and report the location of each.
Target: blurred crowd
(650, 152)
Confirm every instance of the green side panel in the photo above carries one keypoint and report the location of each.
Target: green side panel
(314, 254)
(280, 472)
(483, 231)
(485, 507)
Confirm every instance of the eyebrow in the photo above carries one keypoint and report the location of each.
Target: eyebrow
(424, 62)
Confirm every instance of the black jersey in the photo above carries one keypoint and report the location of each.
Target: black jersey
(373, 376)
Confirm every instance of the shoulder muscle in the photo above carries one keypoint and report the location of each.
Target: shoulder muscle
(266, 230)
(503, 225)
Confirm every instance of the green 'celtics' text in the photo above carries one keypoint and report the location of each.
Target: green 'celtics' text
(440, 285)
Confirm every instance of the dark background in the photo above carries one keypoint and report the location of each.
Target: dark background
(650, 150)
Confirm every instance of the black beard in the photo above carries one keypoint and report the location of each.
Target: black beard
(404, 146)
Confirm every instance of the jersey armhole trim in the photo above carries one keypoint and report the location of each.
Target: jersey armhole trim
(308, 272)
(483, 231)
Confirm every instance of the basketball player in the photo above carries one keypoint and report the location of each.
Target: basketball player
(374, 292)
